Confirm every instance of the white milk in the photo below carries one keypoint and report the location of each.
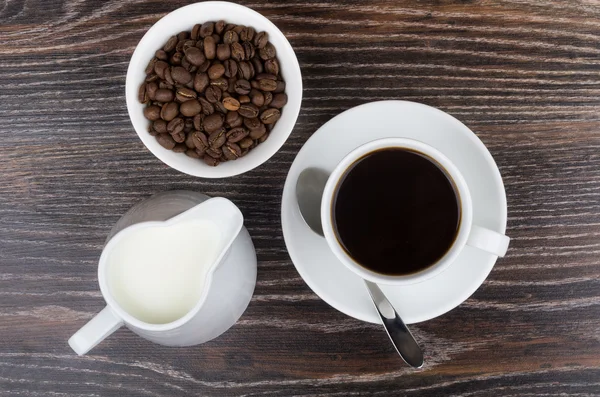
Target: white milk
(157, 274)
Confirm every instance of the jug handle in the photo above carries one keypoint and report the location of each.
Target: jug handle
(95, 331)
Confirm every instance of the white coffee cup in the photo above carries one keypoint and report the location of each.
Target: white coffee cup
(468, 233)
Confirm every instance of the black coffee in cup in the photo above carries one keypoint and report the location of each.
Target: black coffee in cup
(396, 211)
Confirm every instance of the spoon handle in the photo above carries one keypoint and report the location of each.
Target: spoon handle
(403, 341)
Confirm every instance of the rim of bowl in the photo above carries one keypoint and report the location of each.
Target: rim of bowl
(253, 159)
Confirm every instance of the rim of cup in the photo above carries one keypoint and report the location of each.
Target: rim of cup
(185, 18)
(464, 197)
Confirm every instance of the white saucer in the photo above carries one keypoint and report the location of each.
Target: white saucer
(339, 286)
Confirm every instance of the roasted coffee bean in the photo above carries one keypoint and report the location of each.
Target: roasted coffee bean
(249, 50)
(160, 67)
(175, 126)
(183, 94)
(216, 71)
(272, 66)
(207, 29)
(242, 87)
(180, 148)
(151, 77)
(222, 83)
(258, 132)
(178, 137)
(168, 77)
(230, 37)
(257, 64)
(195, 56)
(183, 35)
(152, 112)
(180, 75)
(238, 29)
(233, 119)
(261, 39)
(245, 71)
(231, 85)
(179, 46)
(160, 126)
(245, 143)
(237, 51)
(164, 95)
(267, 52)
(192, 153)
(231, 68)
(188, 66)
(231, 103)
(248, 110)
(166, 141)
(219, 107)
(201, 81)
(213, 94)
(200, 140)
(279, 100)
(247, 34)
(195, 34)
(237, 134)
(150, 66)
(188, 44)
(211, 161)
(176, 59)
(210, 47)
(268, 98)
(267, 85)
(142, 97)
(213, 122)
(189, 125)
(232, 151)
(190, 108)
(215, 153)
(270, 116)
(219, 27)
(217, 38)
(151, 131)
(244, 99)
(217, 138)
(263, 138)
(189, 141)
(204, 67)
(280, 87)
(151, 89)
(161, 54)
(169, 111)
(170, 45)
(207, 107)
(197, 121)
(252, 123)
(257, 97)
(223, 52)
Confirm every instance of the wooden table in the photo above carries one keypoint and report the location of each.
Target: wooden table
(523, 74)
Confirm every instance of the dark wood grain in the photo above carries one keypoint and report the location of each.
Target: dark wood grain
(523, 74)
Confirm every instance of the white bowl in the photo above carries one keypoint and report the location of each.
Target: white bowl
(184, 19)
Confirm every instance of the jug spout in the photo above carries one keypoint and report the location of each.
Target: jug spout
(223, 213)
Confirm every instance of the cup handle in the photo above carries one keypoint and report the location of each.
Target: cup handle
(95, 331)
(488, 240)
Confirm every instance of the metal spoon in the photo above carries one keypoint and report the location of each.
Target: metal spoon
(309, 191)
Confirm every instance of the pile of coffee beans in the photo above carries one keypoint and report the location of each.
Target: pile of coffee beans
(213, 93)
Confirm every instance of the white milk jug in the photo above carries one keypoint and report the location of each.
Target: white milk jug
(178, 282)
